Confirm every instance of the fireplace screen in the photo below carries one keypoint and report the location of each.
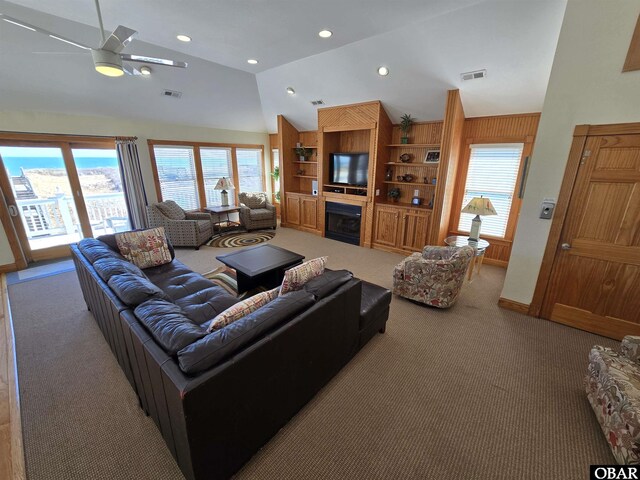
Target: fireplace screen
(342, 222)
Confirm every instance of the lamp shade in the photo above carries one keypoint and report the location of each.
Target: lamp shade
(223, 184)
(480, 206)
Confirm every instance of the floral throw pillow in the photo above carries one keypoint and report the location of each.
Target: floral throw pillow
(242, 309)
(296, 277)
(144, 248)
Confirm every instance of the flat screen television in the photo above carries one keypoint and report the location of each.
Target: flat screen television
(349, 168)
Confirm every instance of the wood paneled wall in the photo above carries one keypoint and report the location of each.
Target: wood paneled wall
(287, 139)
(421, 132)
(520, 128)
(452, 136)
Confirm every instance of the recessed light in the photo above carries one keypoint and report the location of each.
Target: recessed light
(183, 38)
(325, 33)
(291, 91)
(252, 61)
(144, 70)
(383, 71)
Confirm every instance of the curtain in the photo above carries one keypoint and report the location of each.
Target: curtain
(132, 181)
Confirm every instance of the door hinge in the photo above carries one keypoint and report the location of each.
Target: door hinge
(586, 154)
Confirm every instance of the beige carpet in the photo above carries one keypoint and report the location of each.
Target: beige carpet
(474, 392)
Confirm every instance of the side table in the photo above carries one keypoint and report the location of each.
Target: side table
(479, 246)
(219, 211)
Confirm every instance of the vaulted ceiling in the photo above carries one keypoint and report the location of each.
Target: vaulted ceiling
(425, 43)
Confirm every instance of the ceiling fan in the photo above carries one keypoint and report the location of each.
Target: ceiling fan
(107, 58)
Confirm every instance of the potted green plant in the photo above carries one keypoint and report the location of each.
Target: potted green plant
(278, 196)
(405, 126)
(394, 194)
(303, 153)
(276, 174)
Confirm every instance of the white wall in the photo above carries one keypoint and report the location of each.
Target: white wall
(109, 126)
(586, 87)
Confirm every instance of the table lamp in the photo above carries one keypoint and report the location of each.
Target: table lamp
(479, 206)
(224, 184)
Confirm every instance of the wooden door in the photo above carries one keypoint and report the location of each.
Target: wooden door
(595, 279)
(385, 229)
(292, 210)
(309, 212)
(413, 232)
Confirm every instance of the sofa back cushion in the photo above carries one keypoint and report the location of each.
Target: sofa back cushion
(134, 289)
(168, 325)
(253, 199)
(171, 210)
(325, 284)
(144, 248)
(221, 344)
(94, 249)
(108, 267)
(242, 309)
(295, 278)
(110, 240)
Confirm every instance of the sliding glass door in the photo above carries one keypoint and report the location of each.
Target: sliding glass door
(60, 192)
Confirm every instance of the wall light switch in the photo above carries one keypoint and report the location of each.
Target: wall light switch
(377, 192)
(548, 205)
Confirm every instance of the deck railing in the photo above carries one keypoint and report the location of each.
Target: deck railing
(58, 215)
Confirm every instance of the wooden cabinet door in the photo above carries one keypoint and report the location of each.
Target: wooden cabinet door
(385, 228)
(414, 230)
(595, 280)
(293, 209)
(309, 212)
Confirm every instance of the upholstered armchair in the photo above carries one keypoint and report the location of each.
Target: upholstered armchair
(256, 211)
(183, 229)
(613, 392)
(434, 276)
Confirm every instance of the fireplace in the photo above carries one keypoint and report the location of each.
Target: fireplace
(342, 222)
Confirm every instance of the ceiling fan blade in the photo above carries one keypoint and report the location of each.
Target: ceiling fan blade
(130, 69)
(152, 60)
(33, 28)
(118, 39)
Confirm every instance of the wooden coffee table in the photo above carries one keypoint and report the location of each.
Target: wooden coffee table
(261, 266)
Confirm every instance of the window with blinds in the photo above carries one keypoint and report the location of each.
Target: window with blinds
(250, 178)
(216, 163)
(493, 173)
(177, 175)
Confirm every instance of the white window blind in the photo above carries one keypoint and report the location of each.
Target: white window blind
(216, 163)
(250, 170)
(493, 173)
(177, 175)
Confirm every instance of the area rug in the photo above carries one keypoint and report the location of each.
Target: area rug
(225, 277)
(240, 239)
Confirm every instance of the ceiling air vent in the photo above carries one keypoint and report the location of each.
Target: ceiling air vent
(473, 75)
(171, 93)
(317, 102)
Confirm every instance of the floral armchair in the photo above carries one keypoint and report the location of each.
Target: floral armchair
(434, 276)
(613, 389)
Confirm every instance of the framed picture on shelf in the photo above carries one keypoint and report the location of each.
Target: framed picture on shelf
(432, 156)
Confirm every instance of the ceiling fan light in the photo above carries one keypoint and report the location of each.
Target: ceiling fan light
(107, 63)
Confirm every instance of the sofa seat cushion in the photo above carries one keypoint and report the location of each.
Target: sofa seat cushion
(613, 389)
(134, 289)
(261, 214)
(242, 309)
(221, 344)
(182, 284)
(94, 250)
(325, 284)
(295, 278)
(171, 210)
(375, 300)
(144, 248)
(108, 267)
(168, 325)
(206, 304)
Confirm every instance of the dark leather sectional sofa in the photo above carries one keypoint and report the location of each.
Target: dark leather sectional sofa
(217, 398)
